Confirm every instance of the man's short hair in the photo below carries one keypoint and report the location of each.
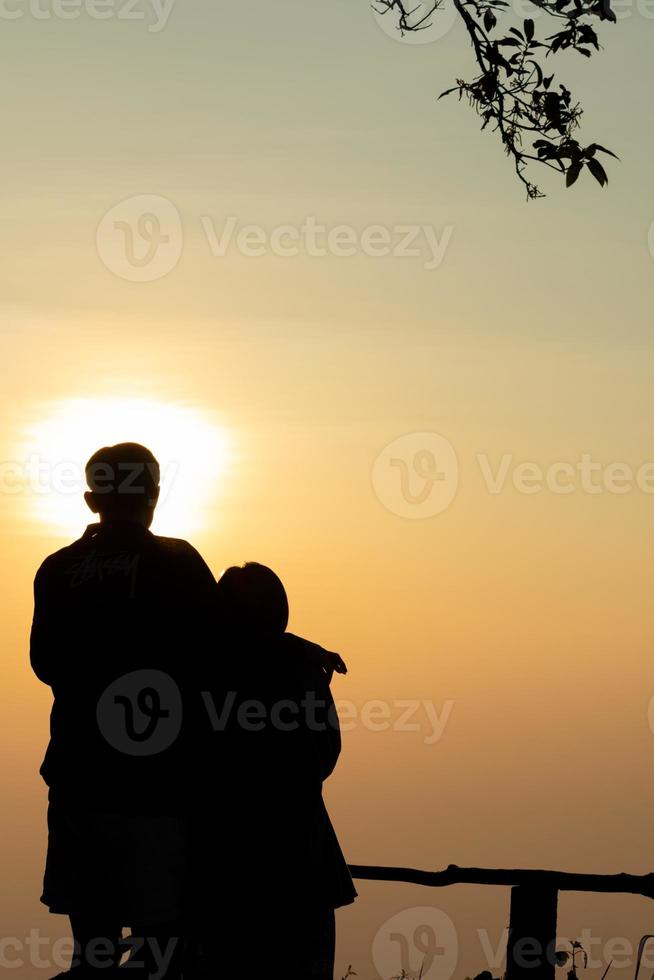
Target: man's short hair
(123, 474)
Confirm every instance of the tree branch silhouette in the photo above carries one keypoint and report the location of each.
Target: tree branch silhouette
(535, 118)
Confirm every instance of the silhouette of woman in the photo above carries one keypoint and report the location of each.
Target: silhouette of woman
(268, 869)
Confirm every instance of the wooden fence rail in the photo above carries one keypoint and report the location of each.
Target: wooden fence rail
(561, 880)
(534, 900)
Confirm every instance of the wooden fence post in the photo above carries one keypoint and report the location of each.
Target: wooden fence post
(532, 933)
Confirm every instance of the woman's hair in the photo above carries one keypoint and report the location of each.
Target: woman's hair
(252, 598)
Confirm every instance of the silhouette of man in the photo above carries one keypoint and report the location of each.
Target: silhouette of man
(117, 613)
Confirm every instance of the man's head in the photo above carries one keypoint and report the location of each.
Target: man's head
(252, 599)
(123, 483)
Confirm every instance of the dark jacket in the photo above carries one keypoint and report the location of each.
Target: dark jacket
(118, 601)
(263, 829)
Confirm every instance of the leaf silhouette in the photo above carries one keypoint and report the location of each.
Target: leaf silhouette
(598, 171)
(510, 92)
(573, 172)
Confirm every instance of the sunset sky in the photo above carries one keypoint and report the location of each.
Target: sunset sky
(270, 386)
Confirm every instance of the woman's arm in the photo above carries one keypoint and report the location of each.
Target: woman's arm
(329, 662)
(317, 666)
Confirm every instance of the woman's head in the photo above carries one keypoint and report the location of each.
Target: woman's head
(252, 598)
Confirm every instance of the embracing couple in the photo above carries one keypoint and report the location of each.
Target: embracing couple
(190, 738)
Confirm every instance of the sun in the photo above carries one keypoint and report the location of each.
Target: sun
(193, 453)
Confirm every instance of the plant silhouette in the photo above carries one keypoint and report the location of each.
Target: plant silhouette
(536, 119)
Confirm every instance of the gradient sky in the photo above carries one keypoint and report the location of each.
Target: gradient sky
(531, 341)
